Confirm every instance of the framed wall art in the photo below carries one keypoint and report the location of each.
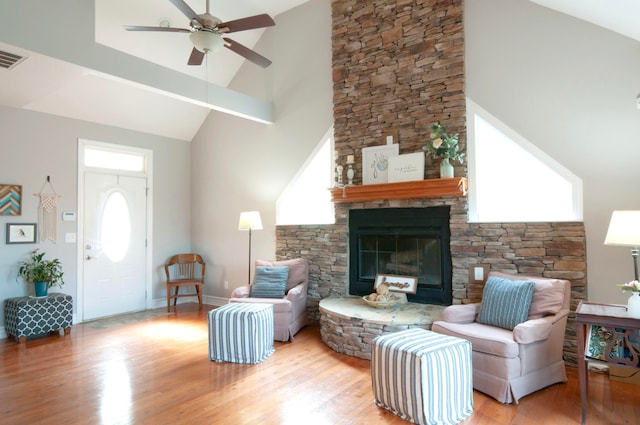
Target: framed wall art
(406, 284)
(406, 168)
(10, 199)
(21, 233)
(375, 163)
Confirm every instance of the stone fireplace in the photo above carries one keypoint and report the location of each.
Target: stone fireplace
(401, 241)
(399, 66)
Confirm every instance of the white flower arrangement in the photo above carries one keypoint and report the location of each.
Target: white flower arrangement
(633, 286)
(443, 145)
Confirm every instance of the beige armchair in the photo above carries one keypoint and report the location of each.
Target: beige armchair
(290, 311)
(509, 364)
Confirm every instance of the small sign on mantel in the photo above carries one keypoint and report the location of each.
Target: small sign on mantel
(406, 168)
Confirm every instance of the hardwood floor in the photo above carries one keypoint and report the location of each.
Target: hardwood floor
(158, 372)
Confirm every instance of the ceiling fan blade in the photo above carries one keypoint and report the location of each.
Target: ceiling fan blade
(186, 9)
(249, 23)
(196, 57)
(246, 53)
(161, 29)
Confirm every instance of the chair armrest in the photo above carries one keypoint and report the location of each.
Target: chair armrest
(241, 292)
(297, 292)
(537, 329)
(461, 313)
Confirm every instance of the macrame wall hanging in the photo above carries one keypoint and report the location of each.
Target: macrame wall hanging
(48, 212)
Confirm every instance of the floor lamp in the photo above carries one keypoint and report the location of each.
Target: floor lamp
(624, 230)
(250, 220)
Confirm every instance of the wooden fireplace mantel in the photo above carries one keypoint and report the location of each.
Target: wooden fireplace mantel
(431, 188)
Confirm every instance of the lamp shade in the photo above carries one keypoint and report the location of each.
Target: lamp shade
(206, 41)
(624, 229)
(250, 220)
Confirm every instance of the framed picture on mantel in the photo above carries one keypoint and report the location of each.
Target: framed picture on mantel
(375, 163)
(406, 168)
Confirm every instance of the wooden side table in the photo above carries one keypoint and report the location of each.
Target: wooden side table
(27, 316)
(611, 316)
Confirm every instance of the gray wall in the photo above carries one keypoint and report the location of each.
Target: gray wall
(240, 165)
(35, 145)
(569, 87)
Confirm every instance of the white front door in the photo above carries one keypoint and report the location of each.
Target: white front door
(114, 245)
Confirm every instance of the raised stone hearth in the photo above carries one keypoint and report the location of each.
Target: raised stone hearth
(348, 324)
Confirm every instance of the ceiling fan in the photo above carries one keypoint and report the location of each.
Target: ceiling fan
(207, 33)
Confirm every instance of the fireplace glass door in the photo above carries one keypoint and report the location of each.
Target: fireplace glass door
(401, 255)
(405, 242)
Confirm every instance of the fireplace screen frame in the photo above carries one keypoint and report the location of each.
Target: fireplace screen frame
(402, 223)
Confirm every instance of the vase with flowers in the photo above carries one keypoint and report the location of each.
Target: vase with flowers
(633, 304)
(445, 146)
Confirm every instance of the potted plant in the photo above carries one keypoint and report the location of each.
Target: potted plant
(42, 273)
(445, 146)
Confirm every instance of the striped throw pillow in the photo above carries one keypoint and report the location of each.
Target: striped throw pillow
(505, 303)
(269, 282)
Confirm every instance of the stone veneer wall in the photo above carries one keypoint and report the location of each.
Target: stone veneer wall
(554, 250)
(400, 65)
(397, 65)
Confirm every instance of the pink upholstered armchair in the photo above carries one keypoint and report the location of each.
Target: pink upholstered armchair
(290, 311)
(509, 364)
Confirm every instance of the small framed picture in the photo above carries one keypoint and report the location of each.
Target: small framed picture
(406, 284)
(406, 168)
(21, 233)
(375, 163)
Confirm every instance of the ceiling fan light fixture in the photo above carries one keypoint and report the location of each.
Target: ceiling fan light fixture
(206, 41)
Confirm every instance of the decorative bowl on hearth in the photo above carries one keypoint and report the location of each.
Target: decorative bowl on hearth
(389, 302)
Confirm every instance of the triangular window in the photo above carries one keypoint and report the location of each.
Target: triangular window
(307, 199)
(510, 179)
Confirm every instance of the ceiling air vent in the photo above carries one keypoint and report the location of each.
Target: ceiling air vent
(10, 60)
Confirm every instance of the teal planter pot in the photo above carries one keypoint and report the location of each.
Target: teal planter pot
(41, 288)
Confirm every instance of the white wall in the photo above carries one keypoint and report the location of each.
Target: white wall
(569, 87)
(35, 145)
(240, 165)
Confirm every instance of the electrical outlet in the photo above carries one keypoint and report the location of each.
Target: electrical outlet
(226, 284)
(478, 273)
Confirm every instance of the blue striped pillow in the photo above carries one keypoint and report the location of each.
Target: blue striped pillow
(505, 303)
(269, 282)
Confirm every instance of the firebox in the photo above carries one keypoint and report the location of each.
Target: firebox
(402, 241)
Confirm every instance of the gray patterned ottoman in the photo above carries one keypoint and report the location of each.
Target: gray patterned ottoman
(241, 333)
(422, 376)
(28, 316)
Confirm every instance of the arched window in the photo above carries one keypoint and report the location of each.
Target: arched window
(307, 199)
(510, 179)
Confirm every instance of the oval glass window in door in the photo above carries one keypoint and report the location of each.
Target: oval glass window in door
(116, 227)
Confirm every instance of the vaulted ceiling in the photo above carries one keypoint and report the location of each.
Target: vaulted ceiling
(80, 63)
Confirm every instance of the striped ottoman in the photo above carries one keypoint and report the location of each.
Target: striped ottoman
(241, 333)
(422, 376)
